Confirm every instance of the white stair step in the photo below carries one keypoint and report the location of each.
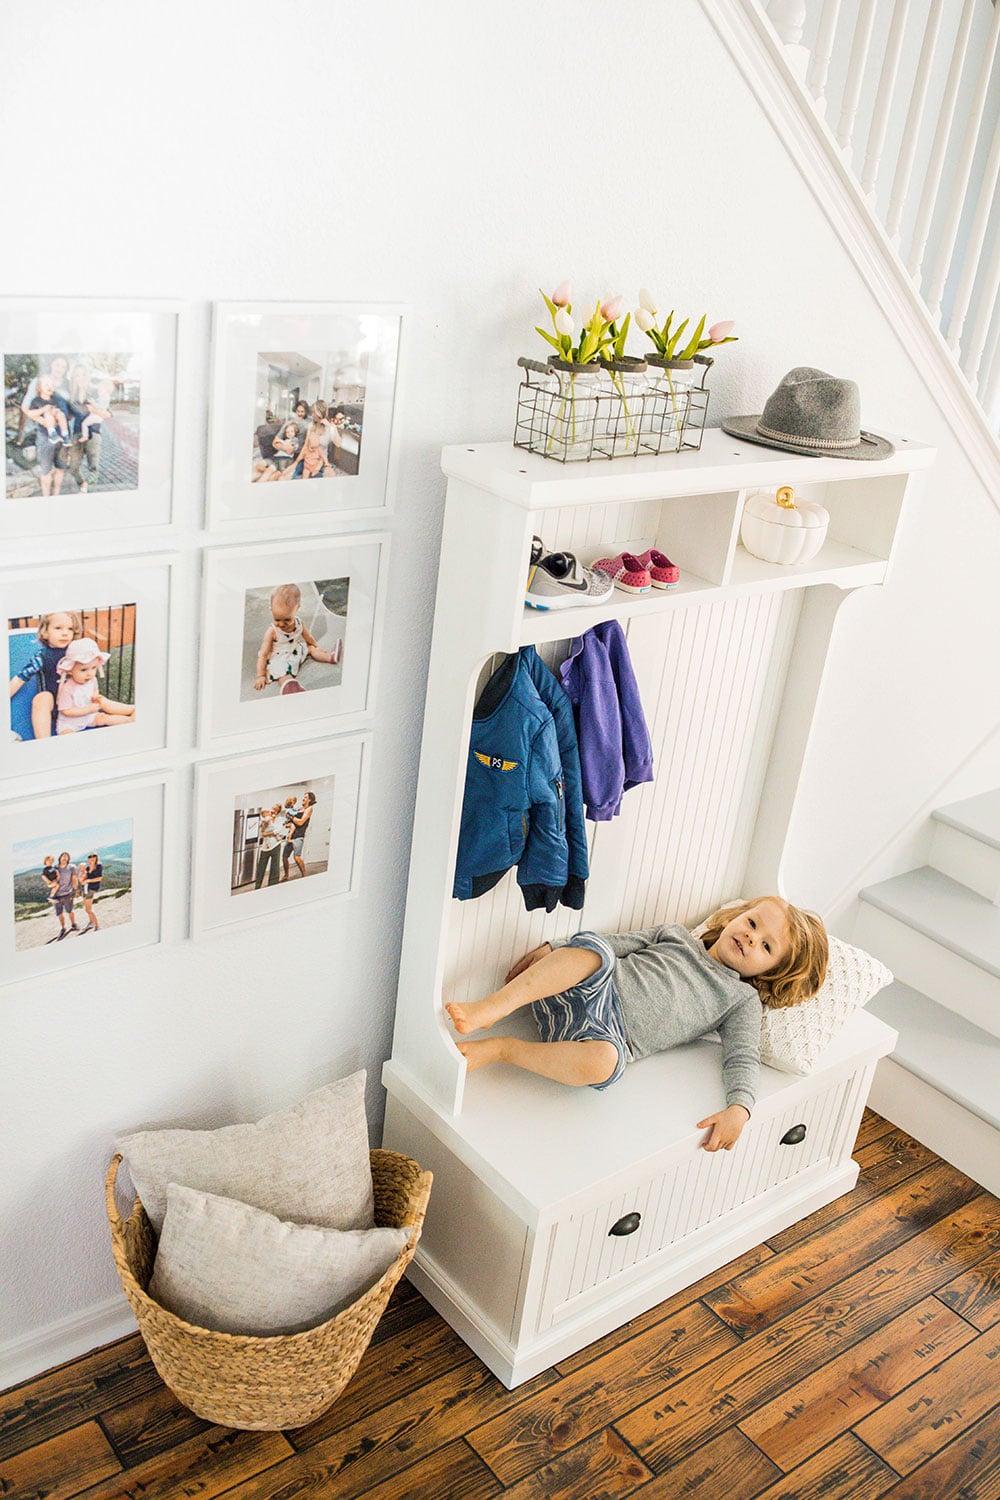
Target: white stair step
(945, 1050)
(967, 843)
(938, 936)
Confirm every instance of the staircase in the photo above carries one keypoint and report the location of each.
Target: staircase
(938, 929)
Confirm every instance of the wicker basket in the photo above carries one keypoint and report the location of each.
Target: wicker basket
(265, 1383)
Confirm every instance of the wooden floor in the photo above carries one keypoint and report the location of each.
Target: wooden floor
(854, 1355)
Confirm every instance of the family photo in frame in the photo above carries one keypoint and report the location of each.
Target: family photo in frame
(302, 406)
(88, 415)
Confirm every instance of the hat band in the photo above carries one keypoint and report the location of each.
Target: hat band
(806, 442)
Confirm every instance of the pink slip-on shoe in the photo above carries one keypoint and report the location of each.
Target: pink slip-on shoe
(626, 572)
(663, 574)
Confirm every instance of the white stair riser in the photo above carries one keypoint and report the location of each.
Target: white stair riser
(957, 1135)
(967, 860)
(953, 981)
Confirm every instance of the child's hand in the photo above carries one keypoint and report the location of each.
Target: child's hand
(726, 1127)
(259, 683)
(528, 959)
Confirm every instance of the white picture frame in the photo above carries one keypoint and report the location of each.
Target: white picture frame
(123, 605)
(121, 354)
(265, 358)
(90, 819)
(230, 835)
(340, 586)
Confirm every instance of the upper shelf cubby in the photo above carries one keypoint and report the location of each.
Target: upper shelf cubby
(689, 505)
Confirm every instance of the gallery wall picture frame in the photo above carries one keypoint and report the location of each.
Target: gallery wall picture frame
(291, 636)
(276, 831)
(88, 415)
(81, 875)
(86, 650)
(303, 399)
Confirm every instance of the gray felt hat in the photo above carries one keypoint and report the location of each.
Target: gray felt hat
(815, 413)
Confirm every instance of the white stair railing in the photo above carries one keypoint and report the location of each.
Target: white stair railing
(911, 94)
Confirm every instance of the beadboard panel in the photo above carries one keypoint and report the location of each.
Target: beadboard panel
(710, 680)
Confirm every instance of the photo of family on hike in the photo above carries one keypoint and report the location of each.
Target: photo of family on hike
(309, 413)
(72, 884)
(281, 834)
(293, 637)
(71, 670)
(71, 423)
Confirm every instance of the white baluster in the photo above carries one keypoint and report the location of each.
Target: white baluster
(935, 163)
(856, 71)
(949, 233)
(883, 96)
(911, 130)
(974, 342)
(989, 391)
(788, 19)
(819, 68)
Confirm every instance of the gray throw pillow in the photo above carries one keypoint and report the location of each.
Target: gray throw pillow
(308, 1163)
(227, 1266)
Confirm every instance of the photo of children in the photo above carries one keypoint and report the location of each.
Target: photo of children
(293, 637)
(281, 834)
(71, 423)
(72, 883)
(309, 411)
(71, 670)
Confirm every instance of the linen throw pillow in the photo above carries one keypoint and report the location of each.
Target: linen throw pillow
(226, 1266)
(308, 1164)
(792, 1039)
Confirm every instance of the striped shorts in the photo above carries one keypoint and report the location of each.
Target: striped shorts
(589, 1012)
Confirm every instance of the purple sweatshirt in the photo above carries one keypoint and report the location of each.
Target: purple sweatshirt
(615, 751)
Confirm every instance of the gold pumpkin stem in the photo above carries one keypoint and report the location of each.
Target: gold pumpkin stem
(785, 497)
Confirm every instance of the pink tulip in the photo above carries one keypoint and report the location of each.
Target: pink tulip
(611, 310)
(720, 331)
(562, 294)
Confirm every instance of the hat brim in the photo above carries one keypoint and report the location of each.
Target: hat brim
(871, 447)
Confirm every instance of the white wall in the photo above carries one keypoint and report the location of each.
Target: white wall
(452, 156)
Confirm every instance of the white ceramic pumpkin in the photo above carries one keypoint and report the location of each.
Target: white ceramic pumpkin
(777, 528)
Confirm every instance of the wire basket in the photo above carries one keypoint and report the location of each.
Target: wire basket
(575, 413)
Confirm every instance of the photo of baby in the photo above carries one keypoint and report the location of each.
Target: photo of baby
(309, 412)
(71, 423)
(293, 637)
(72, 883)
(281, 834)
(71, 670)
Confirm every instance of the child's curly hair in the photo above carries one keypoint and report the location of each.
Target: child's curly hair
(798, 976)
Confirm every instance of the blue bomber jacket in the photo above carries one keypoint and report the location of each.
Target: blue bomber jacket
(523, 800)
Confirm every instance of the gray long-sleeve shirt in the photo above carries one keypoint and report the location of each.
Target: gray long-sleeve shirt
(672, 992)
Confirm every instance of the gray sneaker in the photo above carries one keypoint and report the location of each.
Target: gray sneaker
(557, 581)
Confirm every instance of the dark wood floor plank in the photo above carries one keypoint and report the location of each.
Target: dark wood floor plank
(373, 1449)
(150, 1425)
(454, 1472)
(759, 1298)
(728, 1466)
(663, 1310)
(822, 1218)
(871, 1127)
(846, 1470)
(696, 1407)
(602, 1467)
(937, 1408)
(976, 1293)
(840, 1393)
(75, 1392)
(60, 1467)
(406, 1309)
(967, 1469)
(206, 1466)
(534, 1433)
(387, 1372)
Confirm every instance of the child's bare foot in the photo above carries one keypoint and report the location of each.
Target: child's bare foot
(474, 1014)
(490, 1049)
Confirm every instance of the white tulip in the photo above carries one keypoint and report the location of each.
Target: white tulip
(644, 319)
(647, 300)
(564, 323)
